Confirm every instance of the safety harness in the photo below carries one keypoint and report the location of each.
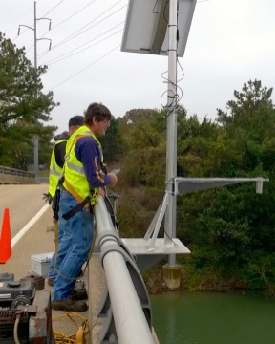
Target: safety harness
(89, 200)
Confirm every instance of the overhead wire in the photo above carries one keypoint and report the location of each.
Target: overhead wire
(75, 52)
(82, 70)
(17, 20)
(71, 16)
(60, 2)
(78, 32)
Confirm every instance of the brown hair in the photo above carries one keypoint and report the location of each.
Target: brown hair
(97, 111)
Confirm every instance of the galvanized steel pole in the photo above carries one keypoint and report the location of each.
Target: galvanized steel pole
(171, 136)
(130, 321)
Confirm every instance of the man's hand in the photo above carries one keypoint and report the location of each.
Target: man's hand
(113, 178)
(47, 197)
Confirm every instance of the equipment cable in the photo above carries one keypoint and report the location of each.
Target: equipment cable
(84, 329)
(15, 328)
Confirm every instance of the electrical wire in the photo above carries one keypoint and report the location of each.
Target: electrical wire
(74, 51)
(60, 2)
(71, 16)
(51, 63)
(82, 70)
(18, 19)
(155, 7)
(78, 32)
(66, 40)
(21, 33)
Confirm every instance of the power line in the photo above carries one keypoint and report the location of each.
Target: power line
(88, 47)
(69, 16)
(77, 33)
(60, 2)
(75, 13)
(72, 52)
(18, 20)
(82, 70)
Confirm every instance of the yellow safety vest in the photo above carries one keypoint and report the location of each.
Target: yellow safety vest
(55, 172)
(75, 179)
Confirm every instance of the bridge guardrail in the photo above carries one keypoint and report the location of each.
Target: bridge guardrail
(14, 176)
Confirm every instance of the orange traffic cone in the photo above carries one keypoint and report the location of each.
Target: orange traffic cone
(5, 238)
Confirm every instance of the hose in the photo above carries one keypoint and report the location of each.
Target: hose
(15, 329)
(82, 334)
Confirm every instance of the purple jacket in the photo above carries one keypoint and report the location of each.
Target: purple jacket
(88, 153)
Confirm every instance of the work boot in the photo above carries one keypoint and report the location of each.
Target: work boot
(51, 281)
(69, 305)
(79, 294)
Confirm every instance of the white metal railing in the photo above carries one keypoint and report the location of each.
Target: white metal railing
(130, 321)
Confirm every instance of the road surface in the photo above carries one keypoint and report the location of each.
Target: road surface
(23, 201)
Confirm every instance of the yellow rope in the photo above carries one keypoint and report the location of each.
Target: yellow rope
(82, 334)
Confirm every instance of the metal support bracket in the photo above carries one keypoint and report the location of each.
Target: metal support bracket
(156, 223)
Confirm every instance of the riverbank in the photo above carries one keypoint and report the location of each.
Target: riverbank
(198, 281)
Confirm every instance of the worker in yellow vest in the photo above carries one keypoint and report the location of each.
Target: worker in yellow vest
(56, 172)
(84, 180)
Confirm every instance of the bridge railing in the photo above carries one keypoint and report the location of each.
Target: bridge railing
(130, 306)
(14, 175)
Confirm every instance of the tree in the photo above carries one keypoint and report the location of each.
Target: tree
(110, 142)
(23, 105)
(232, 228)
(251, 115)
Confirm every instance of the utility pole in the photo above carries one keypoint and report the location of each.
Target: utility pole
(34, 33)
(35, 39)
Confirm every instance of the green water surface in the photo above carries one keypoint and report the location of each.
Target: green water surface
(214, 318)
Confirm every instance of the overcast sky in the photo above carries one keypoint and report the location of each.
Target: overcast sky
(229, 43)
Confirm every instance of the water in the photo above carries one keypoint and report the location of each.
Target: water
(214, 318)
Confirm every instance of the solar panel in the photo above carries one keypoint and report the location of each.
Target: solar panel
(145, 29)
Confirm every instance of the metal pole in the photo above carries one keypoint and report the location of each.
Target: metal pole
(35, 155)
(35, 148)
(34, 34)
(130, 321)
(171, 134)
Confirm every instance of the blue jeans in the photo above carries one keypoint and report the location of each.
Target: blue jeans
(64, 242)
(74, 247)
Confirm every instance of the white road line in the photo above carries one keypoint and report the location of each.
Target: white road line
(24, 230)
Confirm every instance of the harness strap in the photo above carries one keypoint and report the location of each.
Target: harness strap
(76, 209)
(72, 191)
